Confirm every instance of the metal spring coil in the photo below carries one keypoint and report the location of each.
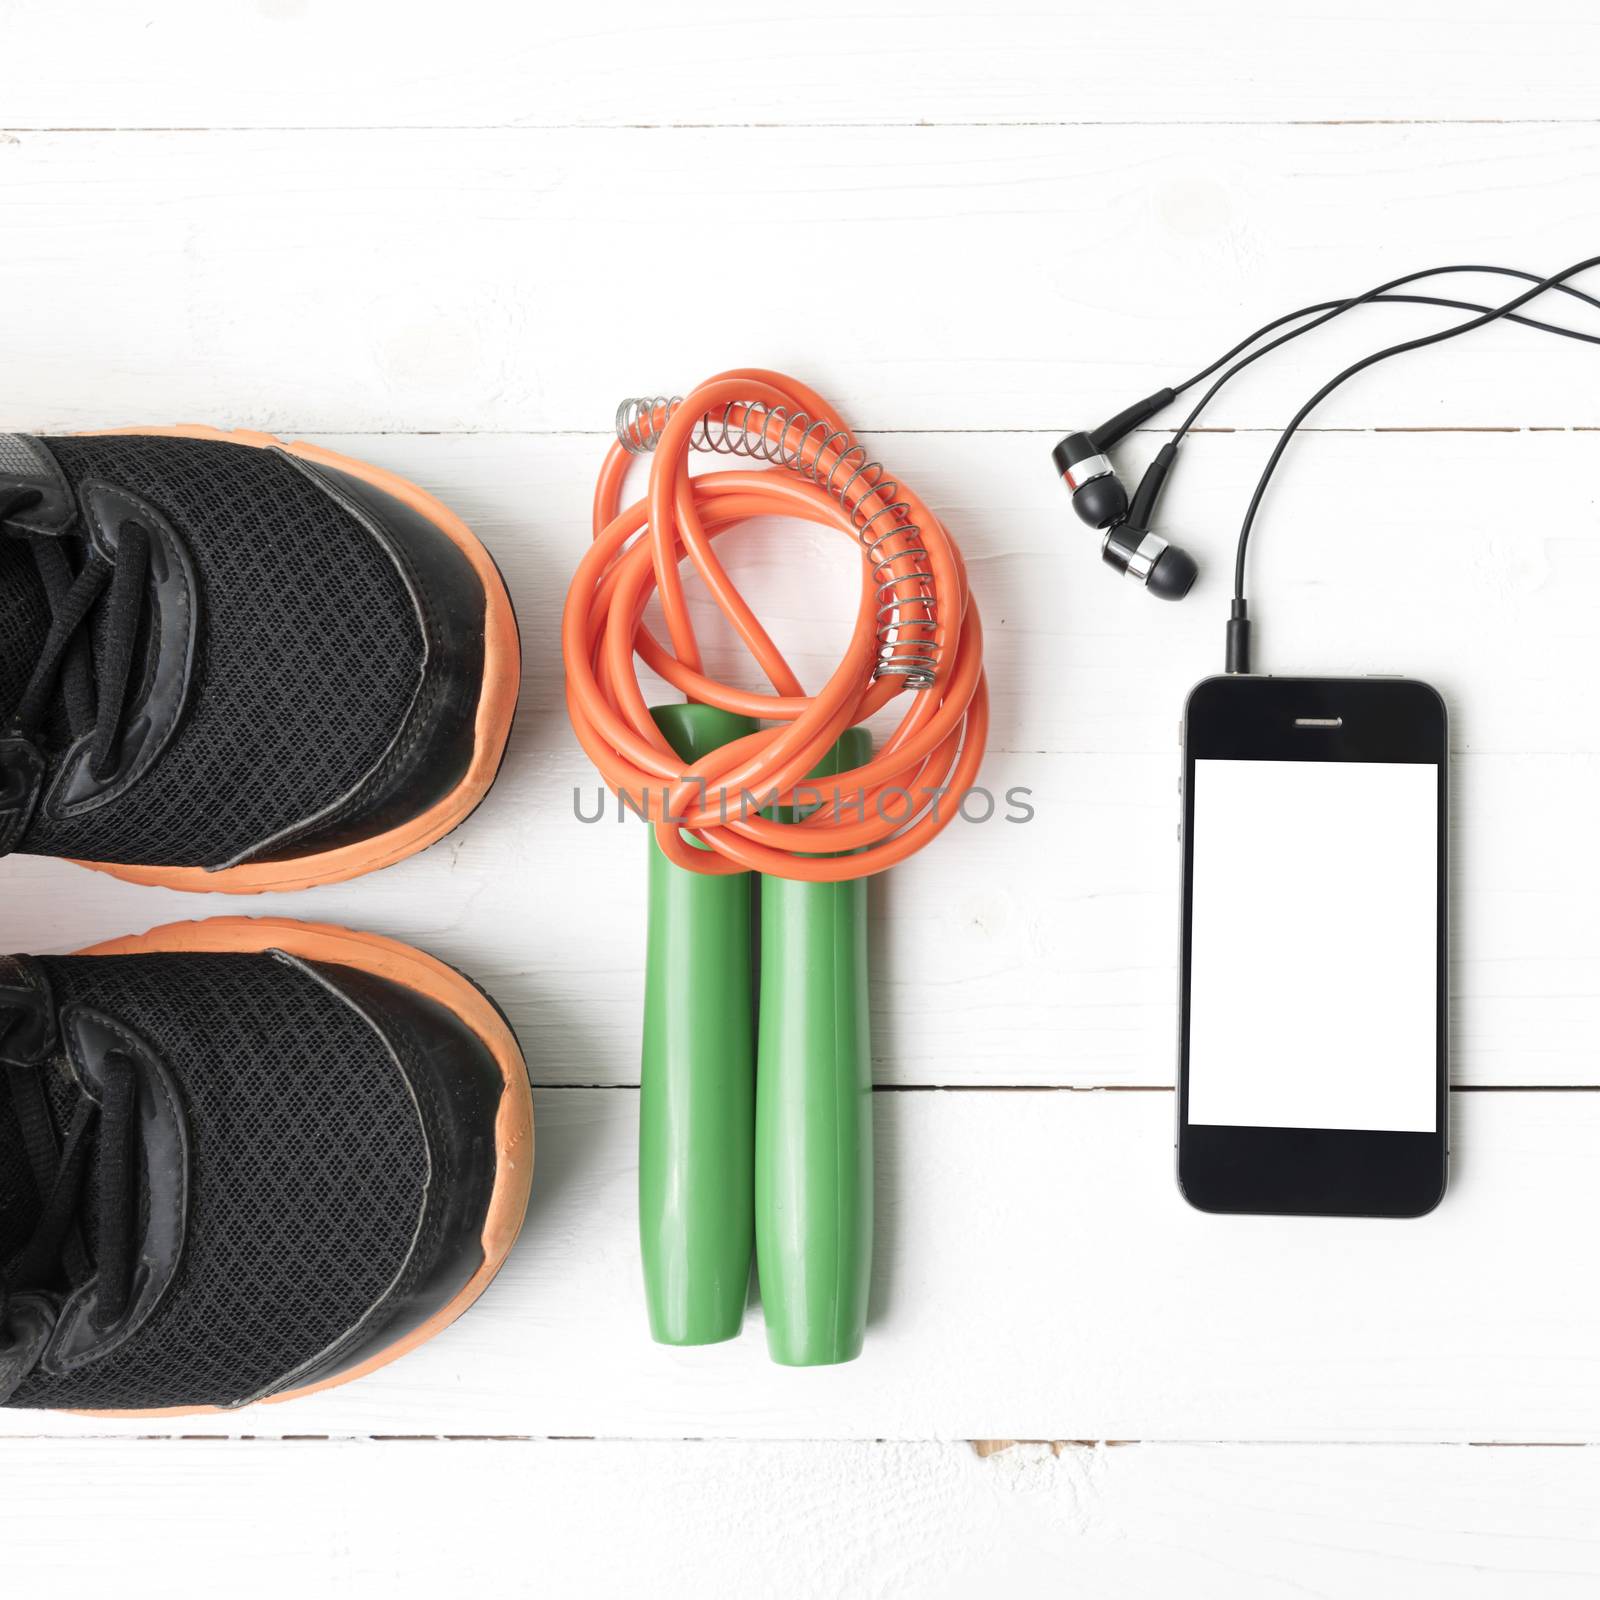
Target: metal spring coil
(907, 614)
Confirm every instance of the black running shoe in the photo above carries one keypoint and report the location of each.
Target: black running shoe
(243, 1160)
(232, 663)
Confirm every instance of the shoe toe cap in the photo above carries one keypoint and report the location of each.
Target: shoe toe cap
(460, 1085)
(432, 750)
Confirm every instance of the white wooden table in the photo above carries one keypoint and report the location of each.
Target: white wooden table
(449, 238)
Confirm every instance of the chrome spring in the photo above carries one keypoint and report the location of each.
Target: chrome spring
(907, 613)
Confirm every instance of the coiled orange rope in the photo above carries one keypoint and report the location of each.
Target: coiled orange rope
(882, 811)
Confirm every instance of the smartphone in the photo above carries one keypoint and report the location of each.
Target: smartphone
(1313, 1072)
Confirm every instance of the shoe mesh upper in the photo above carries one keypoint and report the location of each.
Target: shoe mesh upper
(307, 1181)
(308, 658)
(24, 620)
(18, 1204)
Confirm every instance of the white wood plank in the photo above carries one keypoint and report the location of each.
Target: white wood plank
(277, 63)
(1038, 1276)
(1382, 552)
(580, 1518)
(920, 277)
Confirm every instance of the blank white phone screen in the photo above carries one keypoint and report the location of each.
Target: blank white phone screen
(1314, 945)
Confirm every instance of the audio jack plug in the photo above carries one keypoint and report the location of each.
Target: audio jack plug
(1237, 658)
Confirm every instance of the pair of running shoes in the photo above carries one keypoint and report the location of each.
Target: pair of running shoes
(242, 1159)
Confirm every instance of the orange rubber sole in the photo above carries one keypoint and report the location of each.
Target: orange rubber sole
(497, 704)
(399, 963)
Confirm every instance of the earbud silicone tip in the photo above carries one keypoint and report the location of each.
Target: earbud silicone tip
(1173, 574)
(1101, 501)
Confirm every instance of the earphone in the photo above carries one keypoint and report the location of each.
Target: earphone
(1128, 543)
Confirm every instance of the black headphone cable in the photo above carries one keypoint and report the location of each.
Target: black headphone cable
(1238, 641)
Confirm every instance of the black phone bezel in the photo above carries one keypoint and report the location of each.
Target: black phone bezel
(1314, 1171)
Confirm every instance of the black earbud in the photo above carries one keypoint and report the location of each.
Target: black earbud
(1165, 570)
(1097, 493)
(1100, 499)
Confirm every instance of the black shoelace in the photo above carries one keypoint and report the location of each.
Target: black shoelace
(94, 682)
(54, 1252)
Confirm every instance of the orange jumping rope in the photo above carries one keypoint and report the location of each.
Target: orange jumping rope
(917, 631)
